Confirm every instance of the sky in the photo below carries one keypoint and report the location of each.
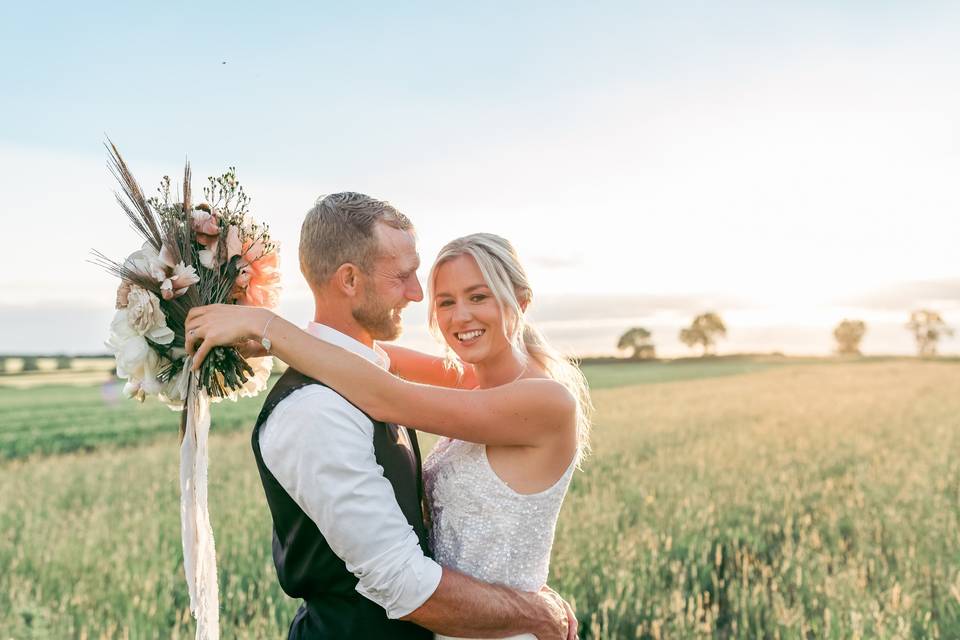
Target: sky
(785, 164)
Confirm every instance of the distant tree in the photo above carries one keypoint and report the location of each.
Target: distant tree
(30, 364)
(639, 340)
(64, 362)
(704, 330)
(848, 335)
(927, 327)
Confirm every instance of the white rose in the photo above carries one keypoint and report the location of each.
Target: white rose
(127, 345)
(256, 383)
(130, 359)
(261, 374)
(133, 389)
(146, 317)
(147, 262)
(175, 390)
(120, 330)
(151, 368)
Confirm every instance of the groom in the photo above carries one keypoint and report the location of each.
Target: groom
(344, 490)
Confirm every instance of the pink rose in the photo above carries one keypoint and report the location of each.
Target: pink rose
(234, 245)
(243, 278)
(253, 252)
(123, 293)
(206, 225)
(258, 283)
(177, 284)
(208, 257)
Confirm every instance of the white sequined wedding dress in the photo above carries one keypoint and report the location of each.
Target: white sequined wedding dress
(482, 527)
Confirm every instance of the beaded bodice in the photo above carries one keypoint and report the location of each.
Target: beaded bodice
(482, 527)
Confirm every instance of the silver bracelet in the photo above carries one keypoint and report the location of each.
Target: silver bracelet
(264, 340)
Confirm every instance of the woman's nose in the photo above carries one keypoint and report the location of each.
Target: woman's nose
(461, 313)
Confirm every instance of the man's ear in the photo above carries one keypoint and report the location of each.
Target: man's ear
(347, 279)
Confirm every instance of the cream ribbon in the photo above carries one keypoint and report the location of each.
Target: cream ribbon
(199, 554)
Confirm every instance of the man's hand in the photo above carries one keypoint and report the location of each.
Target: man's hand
(464, 607)
(572, 624)
(555, 622)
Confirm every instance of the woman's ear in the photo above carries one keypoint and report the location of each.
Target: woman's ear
(347, 279)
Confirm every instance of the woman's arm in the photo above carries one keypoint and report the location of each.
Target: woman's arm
(424, 368)
(525, 412)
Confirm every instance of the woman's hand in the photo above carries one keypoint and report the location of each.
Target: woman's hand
(222, 325)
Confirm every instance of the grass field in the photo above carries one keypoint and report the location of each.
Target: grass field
(38, 418)
(787, 502)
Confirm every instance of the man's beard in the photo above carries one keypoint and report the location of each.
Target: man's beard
(379, 320)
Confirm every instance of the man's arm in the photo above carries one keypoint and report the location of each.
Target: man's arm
(466, 607)
(320, 449)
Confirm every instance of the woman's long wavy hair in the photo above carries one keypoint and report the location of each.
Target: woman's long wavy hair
(501, 269)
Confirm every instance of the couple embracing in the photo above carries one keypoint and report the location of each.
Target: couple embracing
(349, 497)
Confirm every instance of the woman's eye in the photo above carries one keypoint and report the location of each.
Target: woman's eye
(445, 303)
(478, 298)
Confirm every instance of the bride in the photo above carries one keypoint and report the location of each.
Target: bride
(514, 415)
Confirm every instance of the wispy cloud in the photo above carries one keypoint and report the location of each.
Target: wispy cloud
(938, 294)
(558, 261)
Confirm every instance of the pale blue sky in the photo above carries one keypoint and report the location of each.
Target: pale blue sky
(790, 155)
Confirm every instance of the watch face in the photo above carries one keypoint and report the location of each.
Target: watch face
(265, 343)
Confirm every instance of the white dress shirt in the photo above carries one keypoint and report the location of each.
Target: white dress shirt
(319, 447)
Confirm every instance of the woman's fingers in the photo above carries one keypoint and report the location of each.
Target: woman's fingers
(206, 327)
(193, 337)
(202, 353)
(195, 314)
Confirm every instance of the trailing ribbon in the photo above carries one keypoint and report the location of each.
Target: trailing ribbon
(199, 554)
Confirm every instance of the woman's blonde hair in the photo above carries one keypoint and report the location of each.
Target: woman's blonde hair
(501, 270)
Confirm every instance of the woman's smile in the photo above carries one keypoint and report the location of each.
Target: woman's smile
(470, 337)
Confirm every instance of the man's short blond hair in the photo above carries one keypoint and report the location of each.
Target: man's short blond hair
(340, 229)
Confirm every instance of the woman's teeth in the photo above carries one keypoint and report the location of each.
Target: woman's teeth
(469, 335)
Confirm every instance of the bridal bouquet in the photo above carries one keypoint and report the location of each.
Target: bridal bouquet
(192, 255)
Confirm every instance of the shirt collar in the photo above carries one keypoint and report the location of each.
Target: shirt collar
(376, 355)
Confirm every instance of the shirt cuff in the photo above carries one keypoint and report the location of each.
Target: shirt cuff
(429, 581)
(400, 580)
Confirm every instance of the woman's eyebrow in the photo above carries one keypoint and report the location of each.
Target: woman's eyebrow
(472, 287)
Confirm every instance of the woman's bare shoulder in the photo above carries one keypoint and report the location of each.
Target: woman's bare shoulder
(549, 395)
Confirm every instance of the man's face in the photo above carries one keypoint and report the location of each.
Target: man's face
(391, 284)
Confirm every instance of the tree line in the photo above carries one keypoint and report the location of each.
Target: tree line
(926, 325)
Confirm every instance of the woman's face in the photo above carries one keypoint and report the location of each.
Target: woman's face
(468, 315)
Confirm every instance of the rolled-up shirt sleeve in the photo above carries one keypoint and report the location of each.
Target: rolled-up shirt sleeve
(319, 447)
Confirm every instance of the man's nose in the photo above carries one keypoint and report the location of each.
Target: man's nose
(414, 291)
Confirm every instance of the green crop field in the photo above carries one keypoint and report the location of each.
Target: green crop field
(784, 502)
(59, 418)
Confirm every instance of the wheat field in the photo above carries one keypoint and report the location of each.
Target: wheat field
(815, 501)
